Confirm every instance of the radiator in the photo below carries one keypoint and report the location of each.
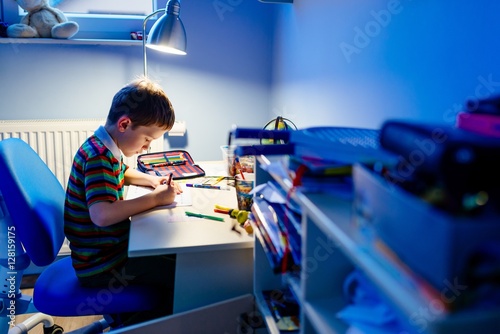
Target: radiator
(56, 141)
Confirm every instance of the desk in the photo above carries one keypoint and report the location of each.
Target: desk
(213, 263)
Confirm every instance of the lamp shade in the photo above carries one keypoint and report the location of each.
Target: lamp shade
(168, 33)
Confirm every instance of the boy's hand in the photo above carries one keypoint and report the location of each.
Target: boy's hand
(166, 190)
(164, 180)
(164, 194)
(135, 177)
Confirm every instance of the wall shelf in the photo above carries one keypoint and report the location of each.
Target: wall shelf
(56, 41)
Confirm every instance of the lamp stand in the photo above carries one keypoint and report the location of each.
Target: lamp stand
(145, 61)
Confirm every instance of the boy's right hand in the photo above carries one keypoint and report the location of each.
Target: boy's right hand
(164, 194)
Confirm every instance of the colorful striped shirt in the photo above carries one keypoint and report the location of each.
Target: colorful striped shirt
(96, 176)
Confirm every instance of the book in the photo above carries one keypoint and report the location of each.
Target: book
(272, 256)
(289, 224)
(284, 308)
(265, 220)
(284, 253)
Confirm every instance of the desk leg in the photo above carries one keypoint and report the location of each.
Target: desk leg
(209, 277)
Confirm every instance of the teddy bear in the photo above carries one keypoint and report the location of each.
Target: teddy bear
(42, 20)
(3, 29)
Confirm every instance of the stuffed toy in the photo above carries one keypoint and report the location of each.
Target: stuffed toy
(3, 29)
(43, 21)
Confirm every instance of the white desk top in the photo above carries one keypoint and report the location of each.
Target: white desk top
(152, 234)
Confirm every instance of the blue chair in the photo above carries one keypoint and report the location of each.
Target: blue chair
(31, 231)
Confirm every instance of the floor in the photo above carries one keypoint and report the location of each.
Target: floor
(67, 323)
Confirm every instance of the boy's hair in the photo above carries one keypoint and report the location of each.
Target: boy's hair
(144, 102)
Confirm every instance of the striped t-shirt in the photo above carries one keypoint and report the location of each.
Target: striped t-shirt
(96, 176)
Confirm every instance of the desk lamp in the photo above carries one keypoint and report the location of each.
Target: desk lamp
(167, 34)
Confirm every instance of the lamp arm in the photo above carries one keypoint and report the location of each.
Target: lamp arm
(144, 39)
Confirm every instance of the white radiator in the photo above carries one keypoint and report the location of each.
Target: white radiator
(56, 141)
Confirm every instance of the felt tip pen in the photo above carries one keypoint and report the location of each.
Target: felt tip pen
(206, 186)
(199, 215)
(219, 179)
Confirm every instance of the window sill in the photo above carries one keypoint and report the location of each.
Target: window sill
(75, 41)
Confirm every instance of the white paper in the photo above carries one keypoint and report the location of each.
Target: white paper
(276, 168)
(182, 199)
(174, 217)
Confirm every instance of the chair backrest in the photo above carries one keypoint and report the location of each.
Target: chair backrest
(34, 198)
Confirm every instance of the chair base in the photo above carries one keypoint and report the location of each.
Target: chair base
(48, 325)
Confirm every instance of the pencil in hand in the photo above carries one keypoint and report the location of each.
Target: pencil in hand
(169, 182)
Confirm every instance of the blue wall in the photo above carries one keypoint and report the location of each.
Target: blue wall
(318, 62)
(358, 63)
(224, 80)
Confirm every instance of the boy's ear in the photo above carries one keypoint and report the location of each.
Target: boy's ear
(123, 123)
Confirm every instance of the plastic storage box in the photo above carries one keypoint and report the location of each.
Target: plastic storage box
(437, 246)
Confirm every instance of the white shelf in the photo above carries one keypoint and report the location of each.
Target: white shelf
(332, 247)
(71, 41)
(322, 315)
(266, 313)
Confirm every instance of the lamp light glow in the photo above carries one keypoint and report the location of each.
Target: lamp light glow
(167, 34)
(166, 49)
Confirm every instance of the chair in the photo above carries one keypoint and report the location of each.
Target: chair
(31, 231)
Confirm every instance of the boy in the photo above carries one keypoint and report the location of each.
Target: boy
(96, 215)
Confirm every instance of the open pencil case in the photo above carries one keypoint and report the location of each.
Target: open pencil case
(176, 162)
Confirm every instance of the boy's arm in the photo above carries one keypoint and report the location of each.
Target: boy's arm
(138, 178)
(108, 213)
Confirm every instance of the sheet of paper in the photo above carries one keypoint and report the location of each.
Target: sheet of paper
(182, 199)
(175, 217)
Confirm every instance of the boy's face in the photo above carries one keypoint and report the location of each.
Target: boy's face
(135, 141)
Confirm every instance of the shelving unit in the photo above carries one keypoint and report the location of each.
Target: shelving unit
(332, 248)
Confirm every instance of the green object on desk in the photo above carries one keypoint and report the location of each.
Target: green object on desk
(199, 215)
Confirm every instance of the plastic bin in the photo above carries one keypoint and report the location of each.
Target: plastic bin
(434, 244)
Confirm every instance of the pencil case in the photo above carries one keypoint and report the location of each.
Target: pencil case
(179, 163)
